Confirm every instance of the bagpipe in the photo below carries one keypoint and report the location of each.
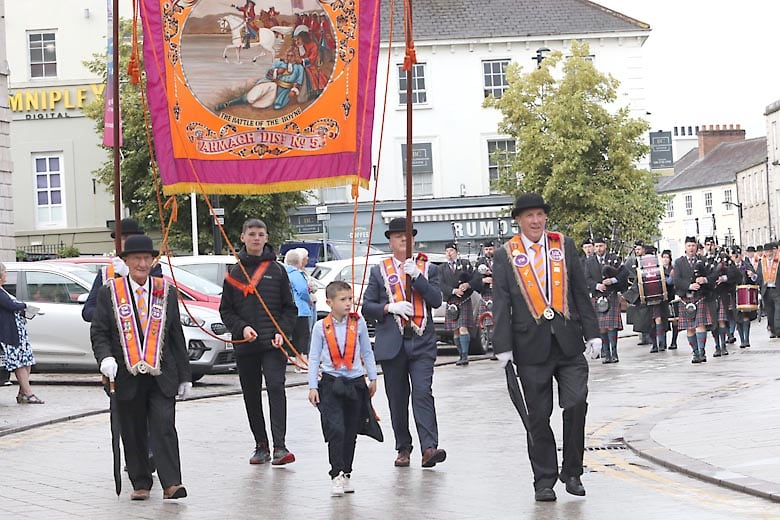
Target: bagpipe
(611, 267)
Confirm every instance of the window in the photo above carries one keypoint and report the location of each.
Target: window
(494, 77)
(689, 205)
(43, 54)
(670, 208)
(422, 169)
(727, 196)
(419, 95)
(333, 195)
(50, 210)
(52, 287)
(708, 202)
(501, 154)
(10, 282)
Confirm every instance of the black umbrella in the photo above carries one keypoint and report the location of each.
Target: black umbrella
(116, 435)
(516, 395)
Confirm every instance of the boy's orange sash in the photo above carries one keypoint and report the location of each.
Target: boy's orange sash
(348, 357)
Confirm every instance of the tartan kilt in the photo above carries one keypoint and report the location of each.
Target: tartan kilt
(703, 316)
(611, 319)
(482, 309)
(465, 317)
(725, 307)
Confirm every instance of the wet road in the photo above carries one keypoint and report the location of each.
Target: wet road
(63, 470)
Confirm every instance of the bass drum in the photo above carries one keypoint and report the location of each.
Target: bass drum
(651, 281)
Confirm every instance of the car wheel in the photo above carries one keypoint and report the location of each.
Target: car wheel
(197, 377)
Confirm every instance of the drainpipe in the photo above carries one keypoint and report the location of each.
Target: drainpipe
(769, 202)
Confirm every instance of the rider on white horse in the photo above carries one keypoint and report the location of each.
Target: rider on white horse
(249, 18)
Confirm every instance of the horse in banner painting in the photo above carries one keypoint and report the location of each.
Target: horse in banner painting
(267, 38)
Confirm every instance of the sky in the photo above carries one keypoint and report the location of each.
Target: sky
(708, 62)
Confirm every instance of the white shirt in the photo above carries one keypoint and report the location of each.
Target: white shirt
(147, 286)
(527, 243)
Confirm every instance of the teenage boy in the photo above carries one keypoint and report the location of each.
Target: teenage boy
(339, 344)
(261, 355)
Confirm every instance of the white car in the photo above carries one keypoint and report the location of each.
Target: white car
(210, 267)
(60, 337)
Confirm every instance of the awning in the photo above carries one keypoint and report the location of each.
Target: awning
(450, 214)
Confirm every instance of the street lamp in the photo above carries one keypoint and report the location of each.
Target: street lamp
(540, 55)
(738, 205)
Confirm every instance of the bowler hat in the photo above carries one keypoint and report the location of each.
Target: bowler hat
(129, 227)
(138, 244)
(529, 200)
(398, 225)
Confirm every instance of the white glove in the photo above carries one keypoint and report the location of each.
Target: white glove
(108, 368)
(404, 309)
(593, 348)
(120, 267)
(505, 357)
(185, 390)
(411, 268)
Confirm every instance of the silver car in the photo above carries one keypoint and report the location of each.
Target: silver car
(60, 337)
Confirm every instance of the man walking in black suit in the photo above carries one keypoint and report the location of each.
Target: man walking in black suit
(768, 281)
(406, 342)
(154, 369)
(542, 314)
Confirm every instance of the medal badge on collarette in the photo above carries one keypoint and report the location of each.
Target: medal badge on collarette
(548, 314)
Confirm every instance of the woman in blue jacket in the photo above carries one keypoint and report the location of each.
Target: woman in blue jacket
(15, 343)
(295, 264)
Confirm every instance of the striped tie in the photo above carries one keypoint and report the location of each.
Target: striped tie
(539, 265)
(142, 307)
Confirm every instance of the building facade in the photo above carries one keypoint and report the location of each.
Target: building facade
(705, 197)
(462, 56)
(55, 148)
(7, 244)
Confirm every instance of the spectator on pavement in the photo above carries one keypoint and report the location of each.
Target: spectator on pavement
(14, 341)
(295, 264)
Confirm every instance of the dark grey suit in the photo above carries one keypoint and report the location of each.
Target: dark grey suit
(543, 351)
(406, 360)
(771, 298)
(144, 398)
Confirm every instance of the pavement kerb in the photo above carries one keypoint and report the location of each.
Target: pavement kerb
(97, 411)
(639, 440)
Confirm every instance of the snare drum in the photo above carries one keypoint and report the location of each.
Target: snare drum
(651, 281)
(747, 298)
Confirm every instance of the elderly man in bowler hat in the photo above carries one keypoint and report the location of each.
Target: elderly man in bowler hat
(149, 363)
(543, 320)
(406, 342)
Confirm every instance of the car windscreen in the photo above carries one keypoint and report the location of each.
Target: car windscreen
(345, 249)
(188, 279)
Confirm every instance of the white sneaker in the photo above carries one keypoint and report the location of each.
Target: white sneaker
(348, 488)
(337, 485)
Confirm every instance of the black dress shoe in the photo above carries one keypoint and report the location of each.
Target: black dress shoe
(731, 339)
(673, 346)
(654, 349)
(574, 486)
(545, 495)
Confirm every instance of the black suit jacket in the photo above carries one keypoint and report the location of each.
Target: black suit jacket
(450, 279)
(174, 364)
(762, 281)
(516, 330)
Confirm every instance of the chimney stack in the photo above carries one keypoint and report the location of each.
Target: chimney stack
(711, 136)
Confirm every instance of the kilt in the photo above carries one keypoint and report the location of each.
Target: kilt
(482, 309)
(465, 317)
(703, 316)
(726, 307)
(611, 319)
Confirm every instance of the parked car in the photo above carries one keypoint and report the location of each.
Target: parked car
(328, 250)
(209, 267)
(60, 337)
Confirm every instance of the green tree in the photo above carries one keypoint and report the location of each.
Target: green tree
(577, 148)
(138, 187)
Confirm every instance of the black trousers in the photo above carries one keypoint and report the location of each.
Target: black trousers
(340, 417)
(251, 369)
(301, 336)
(150, 406)
(571, 373)
(772, 309)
